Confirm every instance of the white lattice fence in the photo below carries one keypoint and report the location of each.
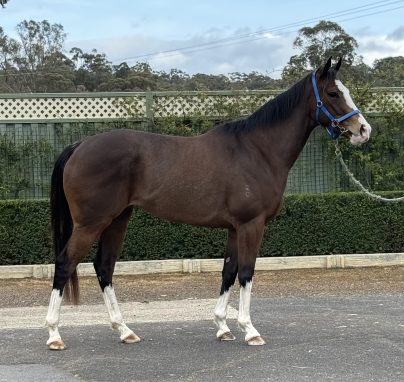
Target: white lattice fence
(205, 104)
(96, 106)
(53, 107)
(386, 100)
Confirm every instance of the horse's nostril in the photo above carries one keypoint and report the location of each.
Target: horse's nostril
(362, 129)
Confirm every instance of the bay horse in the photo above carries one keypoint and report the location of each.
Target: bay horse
(231, 177)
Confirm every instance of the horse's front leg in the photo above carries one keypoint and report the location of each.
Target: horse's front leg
(229, 275)
(249, 238)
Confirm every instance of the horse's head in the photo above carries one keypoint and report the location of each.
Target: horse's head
(335, 108)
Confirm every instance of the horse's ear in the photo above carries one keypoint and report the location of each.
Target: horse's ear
(326, 68)
(338, 64)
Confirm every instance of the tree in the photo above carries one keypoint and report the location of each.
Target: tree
(176, 79)
(38, 42)
(93, 70)
(35, 61)
(326, 39)
(56, 74)
(9, 49)
(251, 81)
(358, 75)
(201, 81)
(142, 77)
(122, 70)
(389, 71)
(3, 3)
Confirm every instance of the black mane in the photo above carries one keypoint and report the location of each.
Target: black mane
(275, 110)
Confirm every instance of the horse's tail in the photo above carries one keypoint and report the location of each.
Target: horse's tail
(61, 220)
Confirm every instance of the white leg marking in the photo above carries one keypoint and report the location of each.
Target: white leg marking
(244, 319)
(221, 314)
(52, 318)
(115, 314)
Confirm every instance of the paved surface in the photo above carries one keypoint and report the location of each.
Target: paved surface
(310, 338)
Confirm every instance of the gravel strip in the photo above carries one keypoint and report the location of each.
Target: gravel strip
(165, 287)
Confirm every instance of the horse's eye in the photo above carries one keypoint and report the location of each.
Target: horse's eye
(333, 94)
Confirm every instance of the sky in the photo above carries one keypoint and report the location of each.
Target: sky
(219, 36)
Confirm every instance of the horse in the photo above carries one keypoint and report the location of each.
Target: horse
(232, 177)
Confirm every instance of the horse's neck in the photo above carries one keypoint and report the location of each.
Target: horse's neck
(284, 141)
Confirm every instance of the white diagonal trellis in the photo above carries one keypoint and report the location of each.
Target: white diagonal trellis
(110, 106)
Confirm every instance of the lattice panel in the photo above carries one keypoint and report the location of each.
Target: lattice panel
(207, 105)
(74, 108)
(145, 105)
(386, 101)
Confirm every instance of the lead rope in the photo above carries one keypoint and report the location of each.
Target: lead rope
(359, 184)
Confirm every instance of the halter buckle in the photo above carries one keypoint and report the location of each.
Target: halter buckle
(335, 123)
(319, 104)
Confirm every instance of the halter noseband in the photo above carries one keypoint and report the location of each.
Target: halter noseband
(334, 129)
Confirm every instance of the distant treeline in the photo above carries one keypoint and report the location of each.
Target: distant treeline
(37, 62)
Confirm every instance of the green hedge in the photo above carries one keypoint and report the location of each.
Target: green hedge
(312, 224)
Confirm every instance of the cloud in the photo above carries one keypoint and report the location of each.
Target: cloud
(169, 61)
(139, 22)
(397, 34)
(221, 51)
(262, 53)
(377, 47)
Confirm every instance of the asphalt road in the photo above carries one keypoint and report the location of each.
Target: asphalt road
(310, 338)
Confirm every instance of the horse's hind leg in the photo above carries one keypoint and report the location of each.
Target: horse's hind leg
(76, 249)
(229, 274)
(109, 249)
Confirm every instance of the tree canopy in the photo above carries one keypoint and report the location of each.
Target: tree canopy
(326, 39)
(37, 61)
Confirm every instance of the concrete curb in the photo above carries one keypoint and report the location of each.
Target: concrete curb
(213, 265)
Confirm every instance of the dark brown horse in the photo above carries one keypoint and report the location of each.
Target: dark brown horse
(232, 177)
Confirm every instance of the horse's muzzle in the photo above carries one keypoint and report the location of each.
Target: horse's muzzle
(363, 136)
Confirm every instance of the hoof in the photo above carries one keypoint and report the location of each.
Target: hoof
(228, 336)
(256, 341)
(57, 345)
(131, 339)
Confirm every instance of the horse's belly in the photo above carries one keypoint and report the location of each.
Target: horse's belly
(187, 210)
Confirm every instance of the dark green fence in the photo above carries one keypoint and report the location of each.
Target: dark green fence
(28, 148)
(28, 151)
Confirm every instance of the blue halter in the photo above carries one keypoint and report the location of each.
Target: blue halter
(334, 129)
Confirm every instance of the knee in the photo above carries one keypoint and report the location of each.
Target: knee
(98, 266)
(103, 283)
(228, 279)
(245, 276)
(102, 275)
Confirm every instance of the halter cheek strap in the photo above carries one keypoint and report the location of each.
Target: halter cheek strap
(334, 129)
